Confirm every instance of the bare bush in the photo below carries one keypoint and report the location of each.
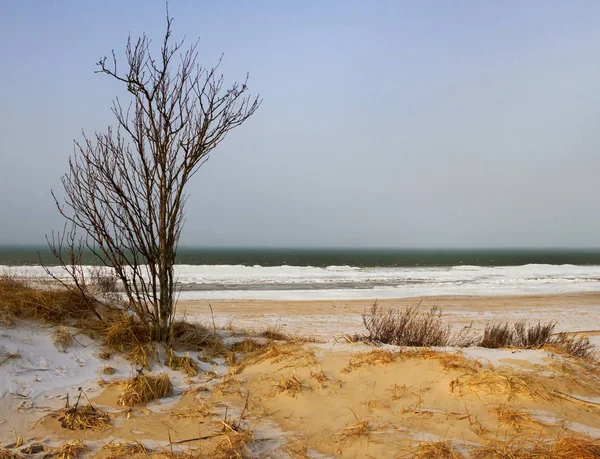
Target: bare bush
(125, 189)
(497, 336)
(408, 327)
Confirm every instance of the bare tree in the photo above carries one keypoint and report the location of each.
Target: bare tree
(125, 188)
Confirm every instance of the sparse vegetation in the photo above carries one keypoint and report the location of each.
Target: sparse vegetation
(144, 388)
(185, 363)
(408, 327)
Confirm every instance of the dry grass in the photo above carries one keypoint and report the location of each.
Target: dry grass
(195, 411)
(123, 333)
(185, 364)
(108, 370)
(143, 355)
(288, 385)
(62, 338)
(511, 384)
(116, 450)
(348, 435)
(273, 333)
(5, 356)
(447, 360)
(435, 450)
(319, 376)
(233, 442)
(84, 417)
(69, 450)
(277, 352)
(375, 357)
(144, 388)
(247, 346)
(194, 336)
(6, 454)
(512, 418)
(19, 300)
(564, 447)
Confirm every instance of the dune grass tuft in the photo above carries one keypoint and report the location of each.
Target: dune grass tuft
(185, 364)
(143, 355)
(435, 450)
(84, 417)
(145, 388)
(62, 338)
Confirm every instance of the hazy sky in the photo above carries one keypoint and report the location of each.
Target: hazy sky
(384, 123)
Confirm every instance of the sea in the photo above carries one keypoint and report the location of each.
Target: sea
(307, 273)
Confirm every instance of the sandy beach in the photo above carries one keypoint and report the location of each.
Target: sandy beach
(572, 312)
(269, 392)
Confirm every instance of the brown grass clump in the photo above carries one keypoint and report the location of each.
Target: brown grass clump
(277, 352)
(233, 442)
(143, 355)
(319, 376)
(125, 332)
(56, 306)
(436, 450)
(376, 357)
(512, 418)
(194, 336)
(288, 386)
(408, 327)
(199, 410)
(274, 334)
(118, 450)
(564, 447)
(506, 381)
(144, 388)
(69, 450)
(347, 436)
(185, 364)
(108, 370)
(497, 336)
(84, 417)
(246, 346)
(62, 338)
(447, 360)
(6, 454)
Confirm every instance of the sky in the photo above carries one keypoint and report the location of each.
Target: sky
(383, 123)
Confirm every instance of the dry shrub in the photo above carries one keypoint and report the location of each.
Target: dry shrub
(53, 305)
(532, 336)
(143, 355)
(497, 336)
(144, 388)
(69, 450)
(520, 335)
(62, 338)
(376, 357)
(84, 417)
(246, 346)
(288, 385)
(185, 364)
(194, 336)
(573, 346)
(108, 370)
(436, 450)
(116, 450)
(409, 327)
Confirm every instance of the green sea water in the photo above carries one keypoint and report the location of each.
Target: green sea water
(31, 255)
